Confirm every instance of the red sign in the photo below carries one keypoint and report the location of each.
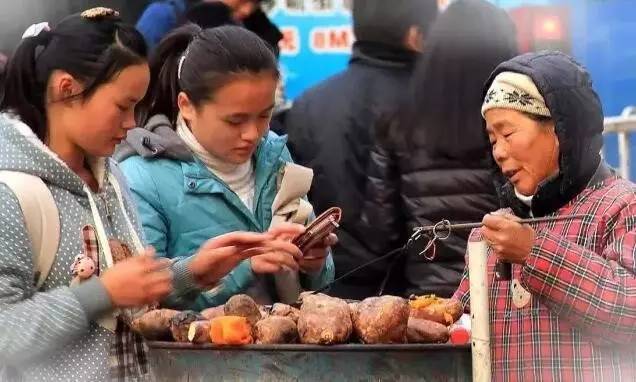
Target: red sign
(290, 43)
(332, 39)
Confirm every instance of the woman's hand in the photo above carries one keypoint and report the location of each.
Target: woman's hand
(219, 256)
(139, 280)
(510, 241)
(314, 260)
(279, 253)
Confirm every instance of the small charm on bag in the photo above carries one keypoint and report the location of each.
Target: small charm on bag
(520, 296)
(86, 264)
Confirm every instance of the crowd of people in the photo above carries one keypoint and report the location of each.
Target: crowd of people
(138, 169)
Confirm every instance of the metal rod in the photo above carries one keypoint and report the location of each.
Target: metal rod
(465, 226)
(623, 154)
(479, 311)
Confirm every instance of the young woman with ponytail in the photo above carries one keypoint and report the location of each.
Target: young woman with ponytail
(205, 163)
(71, 93)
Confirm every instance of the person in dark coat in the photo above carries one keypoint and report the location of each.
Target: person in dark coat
(330, 125)
(429, 162)
(247, 13)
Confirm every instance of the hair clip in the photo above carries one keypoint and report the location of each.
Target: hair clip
(35, 30)
(99, 13)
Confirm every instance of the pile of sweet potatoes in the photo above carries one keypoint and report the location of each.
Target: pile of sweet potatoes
(321, 320)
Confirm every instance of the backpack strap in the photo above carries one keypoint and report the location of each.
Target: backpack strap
(41, 217)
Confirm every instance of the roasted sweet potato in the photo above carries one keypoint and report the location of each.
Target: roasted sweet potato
(283, 310)
(265, 311)
(276, 330)
(231, 330)
(199, 332)
(324, 320)
(432, 308)
(213, 313)
(425, 331)
(382, 320)
(155, 325)
(243, 306)
(180, 325)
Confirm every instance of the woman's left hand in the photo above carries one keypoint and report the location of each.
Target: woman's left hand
(313, 260)
(509, 240)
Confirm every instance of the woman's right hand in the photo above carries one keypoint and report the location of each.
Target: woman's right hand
(279, 253)
(139, 280)
(219, 256)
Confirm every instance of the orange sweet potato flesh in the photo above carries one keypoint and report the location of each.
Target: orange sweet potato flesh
(230, 330)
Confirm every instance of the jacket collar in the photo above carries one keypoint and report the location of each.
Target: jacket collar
(197, 179)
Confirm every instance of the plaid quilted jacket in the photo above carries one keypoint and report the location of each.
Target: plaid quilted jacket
(581, 322)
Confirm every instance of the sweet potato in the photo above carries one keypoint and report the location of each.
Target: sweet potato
(155, 325)
(231, 330)
(213, 313)
(199, 332)
(180, 325)
(276, 330)
(382, 320)
(432, 308)
(324, 320)
(283, 310)
(243, 306)
(265, 311)
(425, 331)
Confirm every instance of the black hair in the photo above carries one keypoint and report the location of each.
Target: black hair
(198, 62)
(538, 118)
(464, 46)
(92, 48)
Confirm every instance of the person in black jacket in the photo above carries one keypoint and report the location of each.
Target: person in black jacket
(247, 13)
(429, 162)
(330, 126)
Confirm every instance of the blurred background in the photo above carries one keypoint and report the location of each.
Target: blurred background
(317, 40)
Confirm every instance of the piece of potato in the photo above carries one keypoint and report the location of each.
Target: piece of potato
(265, 311)
(180, 325)
(426, 332)
(324, 320)
(199, 332)
(283, 310)
(215, 312)
(231, 330)
(243, 306)
(276, 330)
(382, 320)
(432, 308)
(155, 324)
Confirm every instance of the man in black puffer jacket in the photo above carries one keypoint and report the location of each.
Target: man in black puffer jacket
(330, 126)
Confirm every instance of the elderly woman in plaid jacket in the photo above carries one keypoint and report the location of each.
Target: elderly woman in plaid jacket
(569, 311)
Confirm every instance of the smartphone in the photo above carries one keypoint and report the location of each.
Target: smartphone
(319, 229)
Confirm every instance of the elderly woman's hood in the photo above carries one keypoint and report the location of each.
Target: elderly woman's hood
(578, 116)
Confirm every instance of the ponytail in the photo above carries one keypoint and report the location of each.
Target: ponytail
(23, 93)
(164, 75)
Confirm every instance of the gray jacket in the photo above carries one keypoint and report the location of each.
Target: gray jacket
(51, 334)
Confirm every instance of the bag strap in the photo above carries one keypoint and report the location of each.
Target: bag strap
(41, 217)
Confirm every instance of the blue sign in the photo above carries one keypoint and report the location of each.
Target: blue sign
(317, 40)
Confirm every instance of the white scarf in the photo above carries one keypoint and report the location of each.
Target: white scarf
(240, 178)
(527, 200)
